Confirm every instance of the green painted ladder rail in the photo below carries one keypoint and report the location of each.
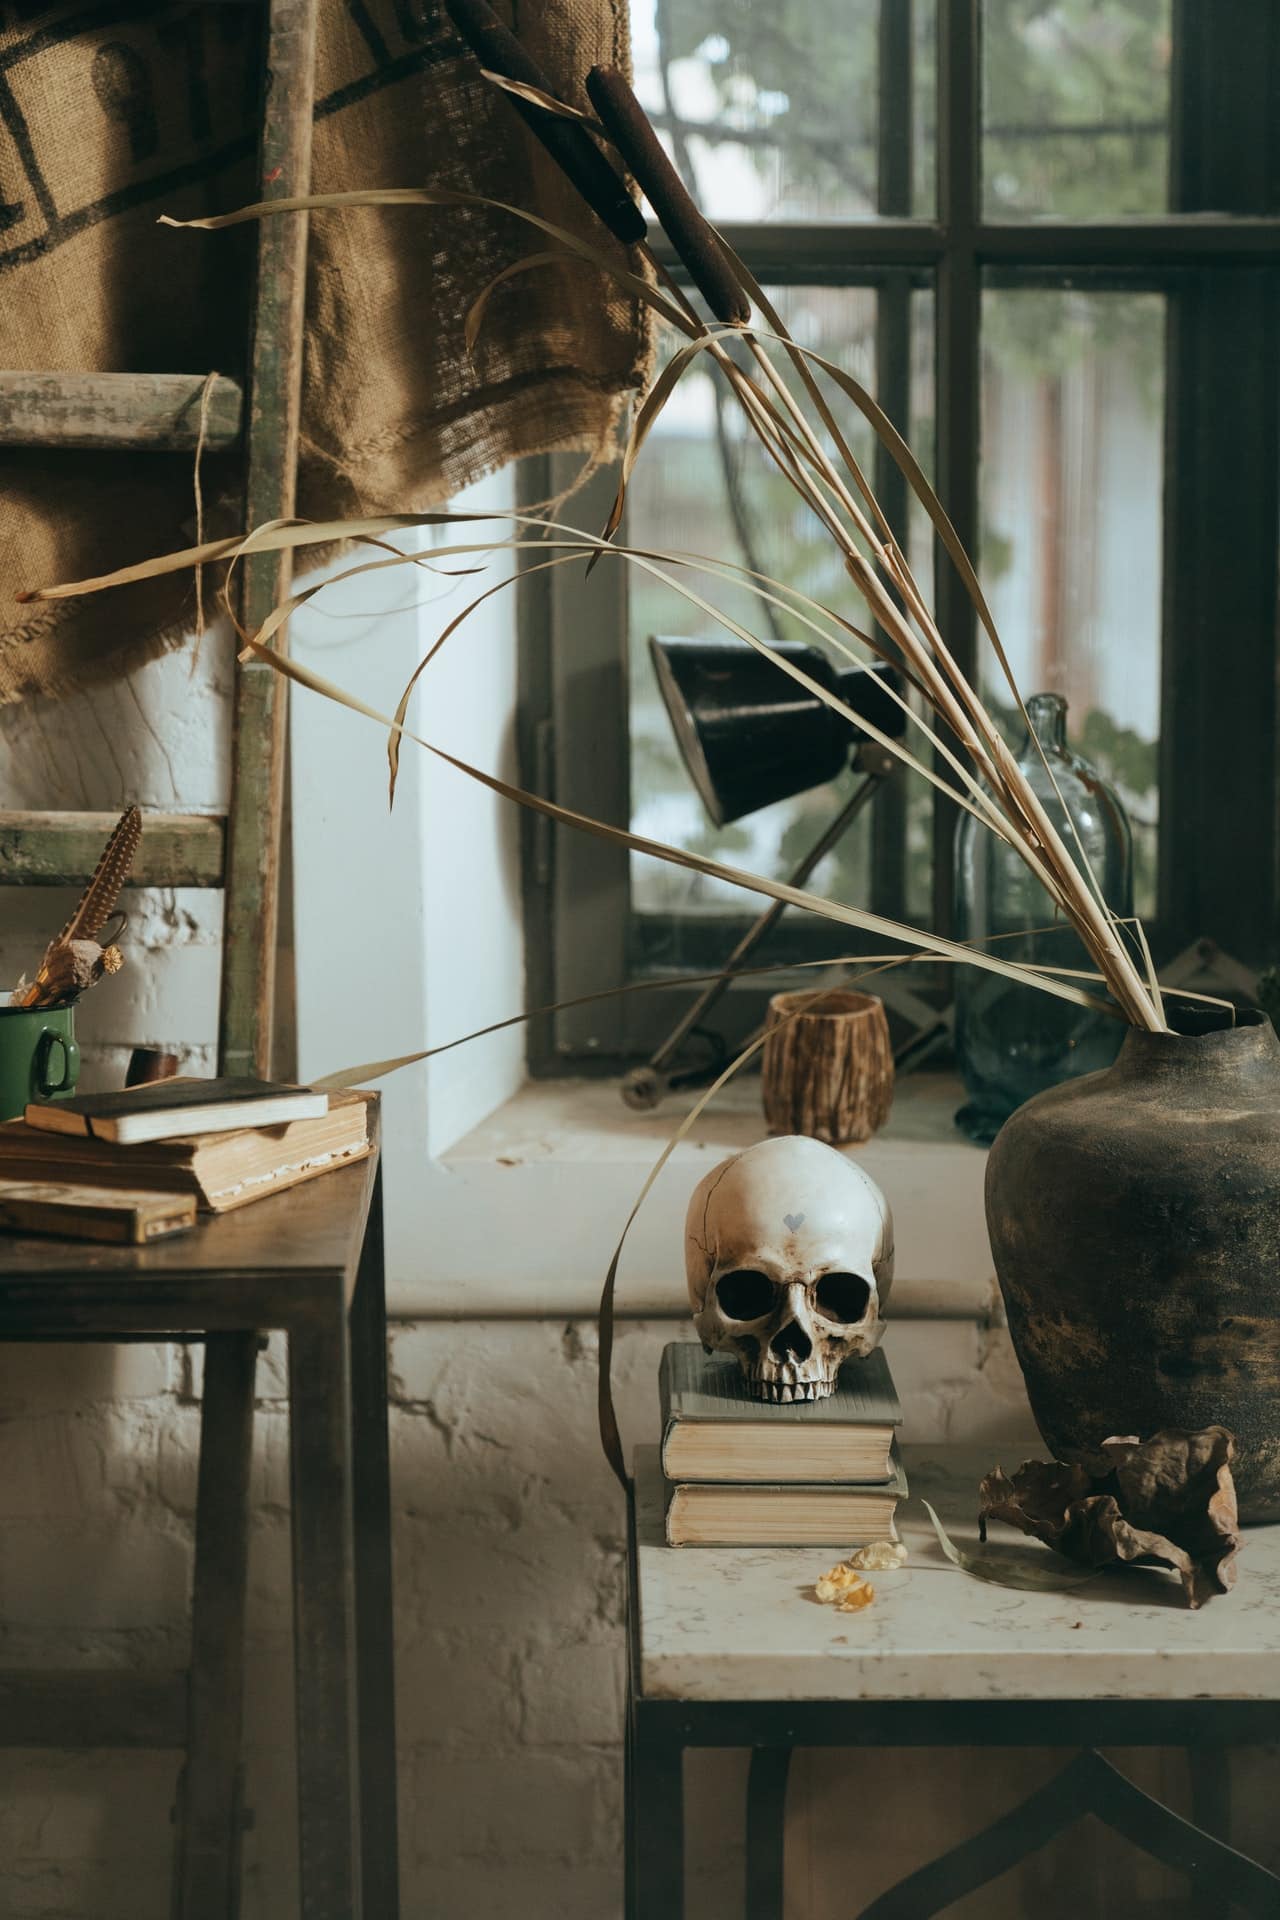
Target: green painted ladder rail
(134, 413)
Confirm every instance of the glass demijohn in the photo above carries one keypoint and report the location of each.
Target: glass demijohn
(1013, 1041)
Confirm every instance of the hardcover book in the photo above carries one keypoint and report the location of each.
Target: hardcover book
(714, 1515)
(74, 1210)
(222, 1170)
(714, 1430)
(174, 1109)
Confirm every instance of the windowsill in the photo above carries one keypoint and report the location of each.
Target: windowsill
(521, 1216)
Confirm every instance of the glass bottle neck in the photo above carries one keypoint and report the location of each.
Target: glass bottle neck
(1047, 713)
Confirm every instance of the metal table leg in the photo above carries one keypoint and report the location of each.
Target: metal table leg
(766, 1828)
(628, 1810)
(210, 1805)
(324, 1620)
(657, 1821)
(374, 1639)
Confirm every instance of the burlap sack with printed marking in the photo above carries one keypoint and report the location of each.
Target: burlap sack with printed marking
(113, 114)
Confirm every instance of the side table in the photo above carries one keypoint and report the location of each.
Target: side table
(724, 1652)
(308, 1261)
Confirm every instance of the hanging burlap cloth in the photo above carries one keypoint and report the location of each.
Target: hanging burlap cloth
(111, 115)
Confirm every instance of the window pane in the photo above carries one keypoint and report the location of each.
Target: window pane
(1072, 433)
(773, 114)
(703, 484)
(1076, 107)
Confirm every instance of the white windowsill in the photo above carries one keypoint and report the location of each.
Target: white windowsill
(521, 1215)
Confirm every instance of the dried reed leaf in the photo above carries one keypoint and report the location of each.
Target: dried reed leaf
(680, 857)
(910, 468)
(402, 706)
(1086, 908)
(539, 97)
(377, 1069)
(1050, 1575)
(446, 197)
(479, 306)
(579, 544)
(646, 418)
(272, 537)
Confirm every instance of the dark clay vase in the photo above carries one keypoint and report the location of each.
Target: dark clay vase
(1135, 1221)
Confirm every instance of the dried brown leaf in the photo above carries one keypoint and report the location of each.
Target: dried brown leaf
(1167, 1501)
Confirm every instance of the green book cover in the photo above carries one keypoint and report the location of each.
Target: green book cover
(700, 1386)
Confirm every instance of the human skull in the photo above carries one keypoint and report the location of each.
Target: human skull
(789, 1258)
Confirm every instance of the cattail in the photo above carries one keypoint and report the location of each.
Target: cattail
(569, 145)
(627, 125)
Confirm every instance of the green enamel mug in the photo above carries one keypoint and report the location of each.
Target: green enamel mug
(39, 1058)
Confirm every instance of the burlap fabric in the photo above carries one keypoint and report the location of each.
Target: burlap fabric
(113, 114)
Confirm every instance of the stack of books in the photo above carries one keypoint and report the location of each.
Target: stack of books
(740, 1472)
(137, 1165)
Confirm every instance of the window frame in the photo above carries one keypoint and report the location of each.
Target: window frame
(1220, 272)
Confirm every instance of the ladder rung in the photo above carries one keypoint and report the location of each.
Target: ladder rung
(122, 412)
(62, 849)
(86, 1707)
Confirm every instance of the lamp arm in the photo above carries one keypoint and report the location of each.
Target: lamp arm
(644, 1086)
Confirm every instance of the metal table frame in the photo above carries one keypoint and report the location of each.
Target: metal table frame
(658, 1732)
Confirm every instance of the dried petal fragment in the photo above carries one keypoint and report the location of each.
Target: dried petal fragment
(880, 1556)
(835, 1581)
(856, 1598)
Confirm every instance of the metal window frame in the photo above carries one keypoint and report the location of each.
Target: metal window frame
(1220, 271)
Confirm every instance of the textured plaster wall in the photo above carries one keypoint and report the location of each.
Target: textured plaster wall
(508, 1577)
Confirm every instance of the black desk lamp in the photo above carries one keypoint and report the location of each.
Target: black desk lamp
(750, 735)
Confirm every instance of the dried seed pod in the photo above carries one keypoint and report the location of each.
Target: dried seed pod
(625, 122)
(572, 149)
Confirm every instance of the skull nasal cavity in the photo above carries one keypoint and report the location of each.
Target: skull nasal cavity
(843, 1296)
(791, 1343)
(745, 1294)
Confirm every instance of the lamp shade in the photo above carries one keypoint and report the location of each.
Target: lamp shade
(750, 734)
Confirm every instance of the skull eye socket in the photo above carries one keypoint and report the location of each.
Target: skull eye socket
(745, 1294)
(843, 1297)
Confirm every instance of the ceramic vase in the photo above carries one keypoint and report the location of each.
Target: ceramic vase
(1134, 1217)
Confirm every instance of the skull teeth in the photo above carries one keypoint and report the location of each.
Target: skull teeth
(786, 1392)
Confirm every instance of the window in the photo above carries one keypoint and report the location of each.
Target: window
(1044, 232)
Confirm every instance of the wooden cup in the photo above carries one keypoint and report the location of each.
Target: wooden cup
(828, 1069)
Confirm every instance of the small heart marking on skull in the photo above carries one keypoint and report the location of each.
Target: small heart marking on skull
(793, 1222)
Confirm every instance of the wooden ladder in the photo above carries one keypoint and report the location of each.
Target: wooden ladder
(135, 413)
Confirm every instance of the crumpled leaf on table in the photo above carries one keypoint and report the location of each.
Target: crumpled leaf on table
(1009, 1569)
(1168, 1501)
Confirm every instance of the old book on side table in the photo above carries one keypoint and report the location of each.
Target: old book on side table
(714, 1429)
(308, 1262)
(727, 1648)
(76, 1210)
(223, 1170)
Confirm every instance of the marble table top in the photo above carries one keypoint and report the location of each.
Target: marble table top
(743, 1624)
